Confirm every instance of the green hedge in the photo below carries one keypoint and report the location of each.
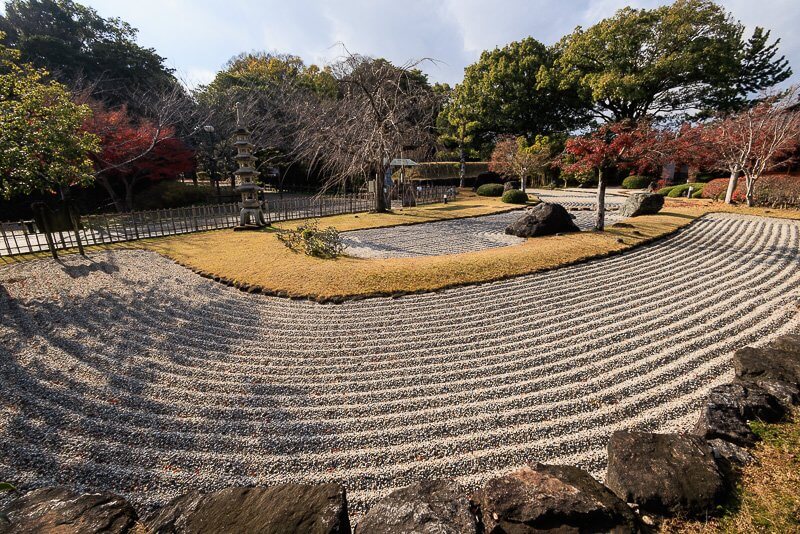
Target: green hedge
(636, 182)
(664, 191)
(682, 189)
(169, 194)
(442, 170)
(515, 196)
(490, 190)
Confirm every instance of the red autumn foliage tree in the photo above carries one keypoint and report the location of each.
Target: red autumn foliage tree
(756, 140)
(615, 145)
(133, 150)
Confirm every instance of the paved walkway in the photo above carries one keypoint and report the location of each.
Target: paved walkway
(129, 373)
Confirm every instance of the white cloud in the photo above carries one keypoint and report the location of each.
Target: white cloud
(199, 36)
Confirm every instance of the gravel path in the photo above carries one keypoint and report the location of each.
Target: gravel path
(128, 372)
(446, 237)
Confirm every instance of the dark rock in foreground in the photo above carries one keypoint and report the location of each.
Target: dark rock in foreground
(767, 364)
(730, 406)
(427, 507)
(786, 394)
(787, 343)
(730, 455)
(63, 511)
(543, 219)
(552, 498)
(664, 473)
(318, 509)
(642, 204)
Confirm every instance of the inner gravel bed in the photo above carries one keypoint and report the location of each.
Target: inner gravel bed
(448, 237)
(129, 373)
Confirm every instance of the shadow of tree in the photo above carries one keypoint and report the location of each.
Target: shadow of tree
(103, 395)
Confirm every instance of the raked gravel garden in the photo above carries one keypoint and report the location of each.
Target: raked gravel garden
(130, 373)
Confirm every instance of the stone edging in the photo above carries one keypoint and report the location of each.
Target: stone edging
(649, 475)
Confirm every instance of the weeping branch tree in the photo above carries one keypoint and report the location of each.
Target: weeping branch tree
(383, 111)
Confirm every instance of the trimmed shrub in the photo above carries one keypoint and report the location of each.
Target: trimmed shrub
(683, 189)
(636, 182)
(312, 240)
(664, 191)
(490, 190)
(515, 196)
(698, 193)
(487, 177)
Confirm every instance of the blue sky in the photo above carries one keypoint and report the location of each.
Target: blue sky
(198, 36)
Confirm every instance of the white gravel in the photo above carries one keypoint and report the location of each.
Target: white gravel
(448, 237)
(127, 372)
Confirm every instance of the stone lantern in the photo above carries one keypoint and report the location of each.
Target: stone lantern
(251, 216)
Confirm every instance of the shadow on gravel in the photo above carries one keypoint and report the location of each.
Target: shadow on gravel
(79, 409)
(79, 271)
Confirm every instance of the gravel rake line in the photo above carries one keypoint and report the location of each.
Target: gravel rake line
(559, 297)
(226, 429)
(438, 238)
(718, 281)
(111, 389)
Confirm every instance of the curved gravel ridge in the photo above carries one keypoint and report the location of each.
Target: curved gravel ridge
(454, 236)
(130, 373)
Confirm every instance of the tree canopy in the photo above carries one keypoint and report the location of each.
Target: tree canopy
(76, 45)
(500, 93)
(42, 144)
(677, 58)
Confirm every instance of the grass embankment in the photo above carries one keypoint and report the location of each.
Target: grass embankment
(767, 498)
(258, 261)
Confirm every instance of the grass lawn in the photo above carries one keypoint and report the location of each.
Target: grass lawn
(767, 498)
(258, 261)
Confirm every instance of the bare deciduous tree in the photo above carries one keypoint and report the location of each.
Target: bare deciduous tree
(382, 111)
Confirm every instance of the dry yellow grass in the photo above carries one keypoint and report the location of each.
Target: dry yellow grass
(768, 495)
(260, 262)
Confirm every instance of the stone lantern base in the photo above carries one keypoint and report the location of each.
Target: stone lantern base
(251, 219)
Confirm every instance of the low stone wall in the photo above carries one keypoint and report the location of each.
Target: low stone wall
(649, 475)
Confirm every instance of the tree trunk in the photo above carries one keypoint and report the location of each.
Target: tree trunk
(462, 166)
(601, 201)
(732, 182)
(751, 191)
(380, 196)
(118, 203)
(128, 196)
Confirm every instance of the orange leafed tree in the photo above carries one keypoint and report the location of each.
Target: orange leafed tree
(132, 150)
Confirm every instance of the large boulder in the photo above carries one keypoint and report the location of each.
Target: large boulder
(543, 219)
(730, 406)
(730, 455)
(786, 394)
(312, 509)
(787, 343)
(664, 473)
(427, 507)
(553, 498)
(63, 511)
(642, 204)
(766, 363)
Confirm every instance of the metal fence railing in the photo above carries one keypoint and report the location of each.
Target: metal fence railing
(24, 237)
